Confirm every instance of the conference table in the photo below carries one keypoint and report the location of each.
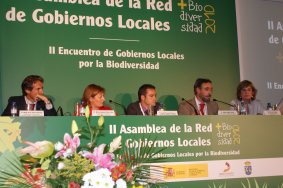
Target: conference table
(200, 151)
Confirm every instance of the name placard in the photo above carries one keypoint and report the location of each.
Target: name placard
(31, 113)
(227, 112)
(166, 113)
(103, 113)
(271, 112)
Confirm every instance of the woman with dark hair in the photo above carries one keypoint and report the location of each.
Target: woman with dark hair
(93, 97)
(246, 94)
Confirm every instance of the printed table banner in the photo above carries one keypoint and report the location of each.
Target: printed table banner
(210, 151)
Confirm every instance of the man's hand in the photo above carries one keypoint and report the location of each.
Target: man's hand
(43, 98)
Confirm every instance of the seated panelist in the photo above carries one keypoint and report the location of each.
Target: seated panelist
(94, 97)
(32, 98)
(246, 94)
(201, 104)
(146, 105)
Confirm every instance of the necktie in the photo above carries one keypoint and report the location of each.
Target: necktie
(146, 112)
(201, 108)
(30, 106)
(149, 112)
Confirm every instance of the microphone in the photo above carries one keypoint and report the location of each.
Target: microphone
(60, 111)
(124, 108)
(234, 106)
(196, 111)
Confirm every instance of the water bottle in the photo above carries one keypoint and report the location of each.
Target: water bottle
(77, 109)
(243, 110)
(14, 109)
(238, 108)
(274, 107)
(269, 107)
(82, 109)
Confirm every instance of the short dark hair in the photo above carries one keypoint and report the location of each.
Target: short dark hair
(143, 88)
(28, 82)
(243, 84)
(199, 82)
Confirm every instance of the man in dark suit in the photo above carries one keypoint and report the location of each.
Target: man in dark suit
(33, 96)
(200, 104)
(146, 105)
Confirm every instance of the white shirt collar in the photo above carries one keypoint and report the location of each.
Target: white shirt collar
(29, 101)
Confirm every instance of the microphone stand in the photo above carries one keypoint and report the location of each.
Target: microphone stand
(124, 108)
(196, 111)
(224, 103)
(60, 111)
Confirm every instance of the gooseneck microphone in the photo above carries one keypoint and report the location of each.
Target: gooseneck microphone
(60, 111)
(234, 106)
(196, 111)
(124, 108)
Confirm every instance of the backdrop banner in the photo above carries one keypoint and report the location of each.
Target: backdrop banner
(119, 45)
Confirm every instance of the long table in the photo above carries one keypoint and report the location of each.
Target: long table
(200, 151)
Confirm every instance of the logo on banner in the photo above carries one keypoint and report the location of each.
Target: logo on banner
(227, 167)
(181, 171)
(248, 168)
(170, 172)
(227, 170)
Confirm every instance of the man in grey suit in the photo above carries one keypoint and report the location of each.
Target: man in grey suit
(200, 104)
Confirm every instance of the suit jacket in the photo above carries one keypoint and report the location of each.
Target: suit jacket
(134, 109)
(21, 105)
(192, 109)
